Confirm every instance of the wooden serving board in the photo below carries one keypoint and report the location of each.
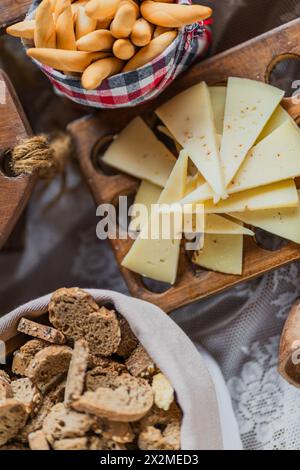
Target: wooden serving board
(255, 60)
(14, 191)
(12, 11)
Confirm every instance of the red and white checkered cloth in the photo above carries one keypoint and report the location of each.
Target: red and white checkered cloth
(147, 82)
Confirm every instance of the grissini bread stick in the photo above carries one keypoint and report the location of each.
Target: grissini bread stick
(70, 61)
(94, 75)
(59, 6)
(142, 32)
(172, 15)
(44, 32)
(160, 30)
(65, 35)
(125, 17)
(75, 7)
(102, 9)
(84, 23)
(123, 49)
(100, 40)
(24, 29)
(150, 52)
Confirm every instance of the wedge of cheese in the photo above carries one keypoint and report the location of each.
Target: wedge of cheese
(146, 195)
(276, 158)
(221, 253)
(189, 117)
(279, 117)
(221, 225)
(282, 222)
(138, 152)
(158, 258)
(218, 100)
(249, 106)
(282, 194)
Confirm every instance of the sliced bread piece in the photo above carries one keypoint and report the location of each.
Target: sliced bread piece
(44, 332)
(104, 374)
(25, 354)
(153, 438)
(75, 443)
(75, 313)
(13, 416)
(129, 399)
(115, 431)
(62, 423)
(140, 363)
(163, 391)
(48, 365)
(37, 441)
(27, 393)
(5, 390)
(128, 340)
(76, 372)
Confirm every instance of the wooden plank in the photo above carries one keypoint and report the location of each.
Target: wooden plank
(12, 11)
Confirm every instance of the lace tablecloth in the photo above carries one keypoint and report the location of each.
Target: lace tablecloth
(240, 328)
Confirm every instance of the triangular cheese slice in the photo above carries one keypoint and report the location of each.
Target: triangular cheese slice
(282, 222)
(138, 152)
(189, 117)
(279, 117)
(276, 158)
(158, 258)
(218, 100)
(221, 253)
(282, 194)
(220, 225)
(147, 194)
(249, 106)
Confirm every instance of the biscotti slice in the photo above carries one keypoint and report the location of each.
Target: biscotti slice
(27, 393)
(62, 423)
(13, 416)
(100, 443)
(44, 332)
(48, 365)
(25, 354)
(153, 438)
(75, 313)
(129, 399)
(37, 441)
(128, 340)
(163, 391)
(76, 372)
(115, 431)
(103, 374)
(5, 390)
(140, 363)
(75, 443)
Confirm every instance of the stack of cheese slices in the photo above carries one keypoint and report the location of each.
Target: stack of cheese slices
(246, 151)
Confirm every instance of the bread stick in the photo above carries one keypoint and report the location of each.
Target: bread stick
(84, 23)
(24, 29)
(100, 40)
(172, 15)
(150, 52)
(142, 32)
(44, 32)
(102, 9)
(160, 30)
(94, 75)
(75, 7)
(103, 24)
(123, 49)
(59, 6)
(70, 61)
(65, 35)
(125, 17)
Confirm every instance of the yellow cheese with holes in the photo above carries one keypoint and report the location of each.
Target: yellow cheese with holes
(221, 225)
(276, 158)
(147, 194)
(282, 194)
(158, 258)
(218, 100)
(189, 117)
(221, 253)
(249, 106)
(282, 222)
(138, 152)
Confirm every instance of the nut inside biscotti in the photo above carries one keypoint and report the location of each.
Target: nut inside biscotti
(84, 382)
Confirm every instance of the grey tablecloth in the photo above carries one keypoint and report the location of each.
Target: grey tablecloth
(240, 328)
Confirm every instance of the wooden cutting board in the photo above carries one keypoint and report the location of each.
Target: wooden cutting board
(12, 11)
(14, 191)
(254, 59)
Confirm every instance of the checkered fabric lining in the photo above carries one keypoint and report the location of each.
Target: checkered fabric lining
(147, 82)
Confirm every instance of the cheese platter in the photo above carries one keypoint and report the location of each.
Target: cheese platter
(245, 71)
